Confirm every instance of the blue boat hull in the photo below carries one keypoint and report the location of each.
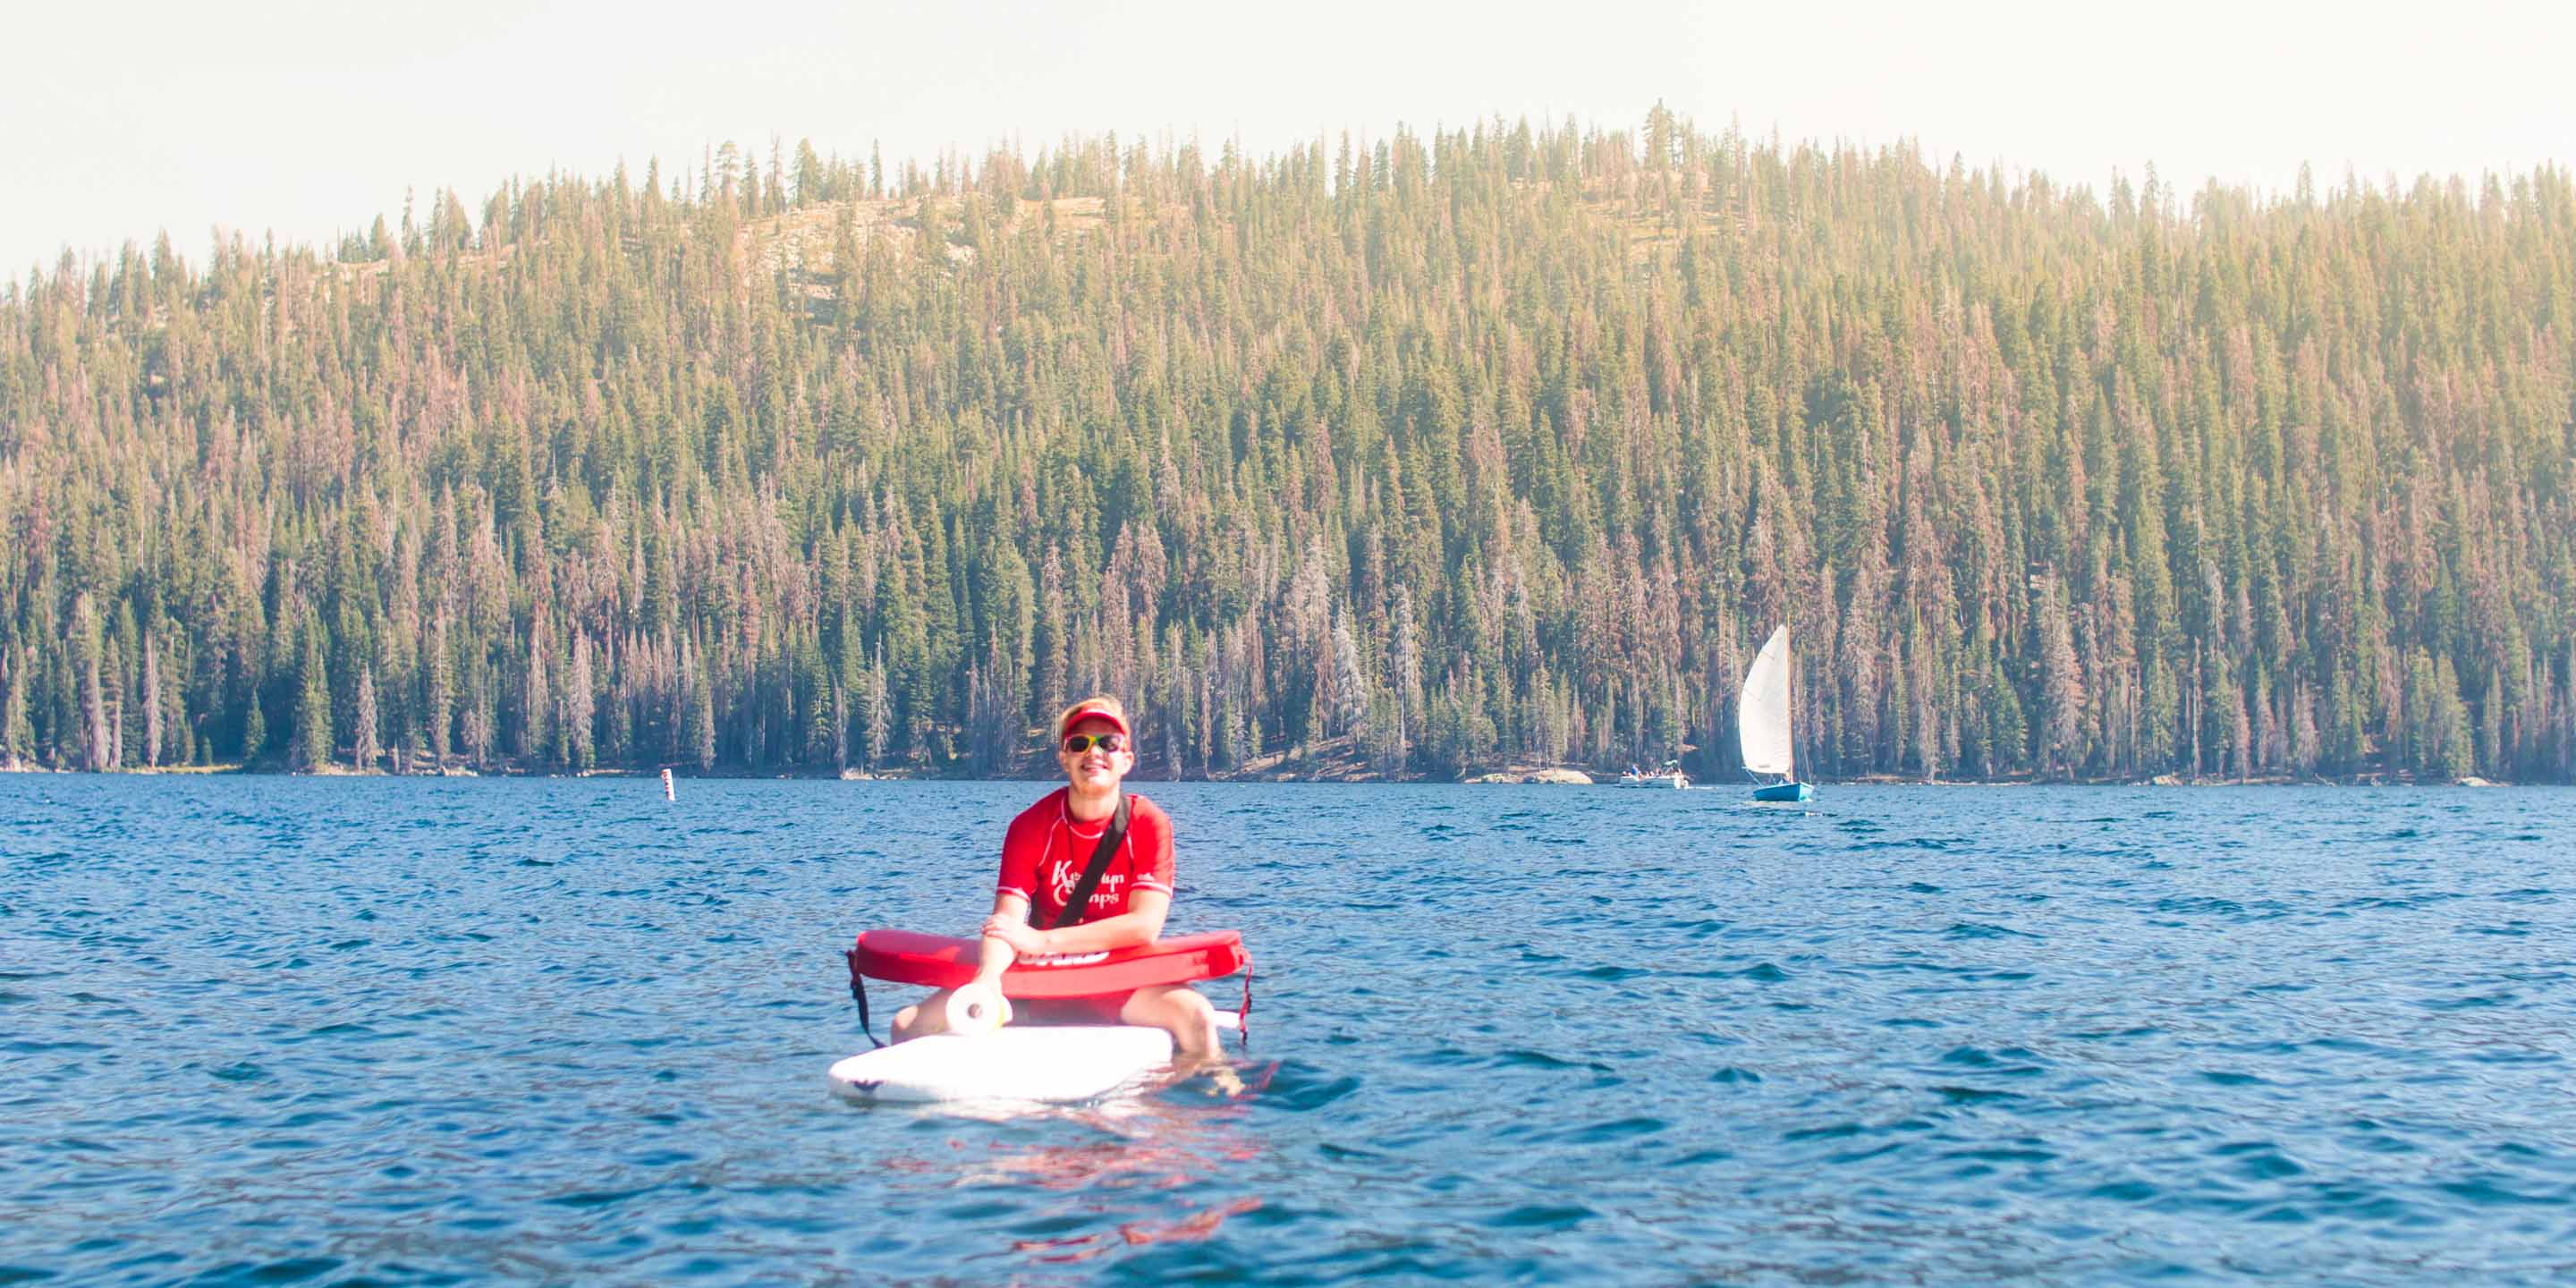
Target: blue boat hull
(1784, 792)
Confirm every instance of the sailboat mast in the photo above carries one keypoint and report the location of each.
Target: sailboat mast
(1789, 683)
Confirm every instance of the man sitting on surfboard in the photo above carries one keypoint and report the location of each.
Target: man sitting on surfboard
(1044, 855)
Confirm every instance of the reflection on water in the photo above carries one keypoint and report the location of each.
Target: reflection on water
(1159, 1150)
(1136, 1234)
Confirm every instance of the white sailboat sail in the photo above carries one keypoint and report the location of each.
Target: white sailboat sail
(1762, 710)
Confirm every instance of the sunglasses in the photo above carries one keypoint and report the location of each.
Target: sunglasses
(1076, 744)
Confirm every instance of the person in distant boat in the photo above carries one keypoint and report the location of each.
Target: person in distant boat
(1044, 854)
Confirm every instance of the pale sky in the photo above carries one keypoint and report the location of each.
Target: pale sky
(119, 118)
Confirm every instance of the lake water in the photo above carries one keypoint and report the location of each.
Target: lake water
(267, 1030)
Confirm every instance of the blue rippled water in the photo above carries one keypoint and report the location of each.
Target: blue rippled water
(261, 1030)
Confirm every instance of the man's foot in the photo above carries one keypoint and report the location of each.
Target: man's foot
(1218, 1069)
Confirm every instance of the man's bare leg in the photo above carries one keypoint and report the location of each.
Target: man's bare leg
(923, 1018)
(1184, 1013)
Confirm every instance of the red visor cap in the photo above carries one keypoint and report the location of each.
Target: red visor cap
(1081, 714)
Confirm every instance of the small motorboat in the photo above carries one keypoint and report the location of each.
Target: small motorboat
(1670, 776)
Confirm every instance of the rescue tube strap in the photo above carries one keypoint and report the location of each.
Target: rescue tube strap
(1079, 901)
(1243, 1018)
(859, 994)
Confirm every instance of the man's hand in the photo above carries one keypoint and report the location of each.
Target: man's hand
(1017, 934)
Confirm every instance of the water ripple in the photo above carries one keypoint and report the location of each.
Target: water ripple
(281, 1031)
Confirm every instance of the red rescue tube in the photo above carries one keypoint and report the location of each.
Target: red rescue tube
(939, 961)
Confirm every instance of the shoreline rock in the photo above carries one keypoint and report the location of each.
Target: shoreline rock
(1533, 777)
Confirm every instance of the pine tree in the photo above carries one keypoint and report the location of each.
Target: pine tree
(580, 708)
(2450, 754)
(879, 718)
(703, 717)
(536, 704)
(441, 699)
(364, 750)
(840, 728)
(1351, 695)
(475, 723)
(312, 747)
(2008, 730)
(17, 735)
(2061, 685)
(150, 699)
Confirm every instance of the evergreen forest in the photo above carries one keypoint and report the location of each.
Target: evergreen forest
(1410, 456)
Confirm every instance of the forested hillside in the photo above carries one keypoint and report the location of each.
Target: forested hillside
(1507, 443)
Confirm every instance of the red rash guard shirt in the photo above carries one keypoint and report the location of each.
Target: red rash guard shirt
(1046, 850)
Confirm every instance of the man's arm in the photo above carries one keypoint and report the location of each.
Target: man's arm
(1142, 923)
(998, 954)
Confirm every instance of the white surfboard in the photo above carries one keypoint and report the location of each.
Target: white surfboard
(1046, 1064)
